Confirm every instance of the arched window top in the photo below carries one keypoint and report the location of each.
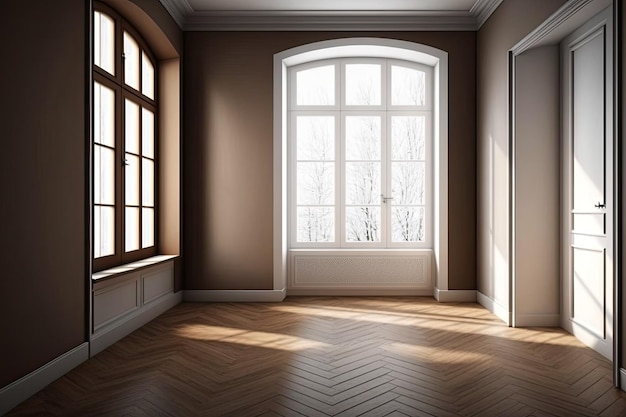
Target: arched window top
(360, 47)
(121, 54)
(390, 83)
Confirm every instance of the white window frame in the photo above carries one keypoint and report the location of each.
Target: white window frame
(385, 111)
(359, 47)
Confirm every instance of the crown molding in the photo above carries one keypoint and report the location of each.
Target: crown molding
(557, 20)
(179, 10)
(330, 21)
(482, 9)
(189, 19)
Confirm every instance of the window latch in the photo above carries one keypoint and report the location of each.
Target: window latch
(382, 196)
(125, 162)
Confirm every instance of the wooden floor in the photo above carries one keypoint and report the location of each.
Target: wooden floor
(336, 357)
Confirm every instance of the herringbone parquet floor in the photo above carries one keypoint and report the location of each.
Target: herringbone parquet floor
(335, 357)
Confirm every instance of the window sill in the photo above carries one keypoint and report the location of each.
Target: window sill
(364, 251)
(131, 267)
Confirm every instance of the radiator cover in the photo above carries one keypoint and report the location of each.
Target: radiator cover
(360, 270)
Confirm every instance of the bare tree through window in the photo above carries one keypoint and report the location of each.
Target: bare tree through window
(362, 153)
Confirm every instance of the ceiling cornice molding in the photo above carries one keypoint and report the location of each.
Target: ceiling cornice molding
(179, 10)
(565, 13)
(189, 19)
(482, 9)
(330, 21)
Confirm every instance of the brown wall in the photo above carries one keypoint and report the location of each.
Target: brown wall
(42, 178)
(227, 153)
(43, 235)
(511, 21)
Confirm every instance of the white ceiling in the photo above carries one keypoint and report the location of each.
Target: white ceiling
(330, 14)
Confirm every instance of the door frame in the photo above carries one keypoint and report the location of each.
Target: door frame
(551, 32)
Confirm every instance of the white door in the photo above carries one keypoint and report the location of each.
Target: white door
(587, 204)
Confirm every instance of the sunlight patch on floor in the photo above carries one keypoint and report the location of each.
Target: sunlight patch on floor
(248, 337)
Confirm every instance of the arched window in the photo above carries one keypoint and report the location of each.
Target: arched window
(360, 154)
(124, 142)
(360, 167)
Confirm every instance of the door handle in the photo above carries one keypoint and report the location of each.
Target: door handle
(600, 205)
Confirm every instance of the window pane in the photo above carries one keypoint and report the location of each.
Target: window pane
(104, 42)
(103, 231)
(147, 133)
(363, 138)
(103, 115)
(131, 170)
(408, 87)
(363, 84)
(316, 86)
(131, 126)
(407, 224)
(363, 183)
(363, 224)
(147, 182)
(132, 229)
(407, 183)
(316, 183)
(131, 61)
(315, 138)
(147, 227)
(316, 224)
(103, 175)
(408, 138)
(147, 76)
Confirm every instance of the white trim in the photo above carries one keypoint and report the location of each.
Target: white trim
(122, 327)
(234, 296)
(20, 390)
(561, 23)
(483, 9)
(622, 380)
(132, 267)
(373, 47)
(455, 296)
(361, 292)
(330, 21)
(178, 9)
(494, 306)
(537, 320)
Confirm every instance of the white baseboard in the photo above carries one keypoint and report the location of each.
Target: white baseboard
(537, 320)
(495, 307)
(455, 296)
(22, 389)
(234, 296)
(123, 327)
(358, 292)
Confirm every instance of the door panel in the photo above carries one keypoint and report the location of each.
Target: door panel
(589, 290)
(587, 184)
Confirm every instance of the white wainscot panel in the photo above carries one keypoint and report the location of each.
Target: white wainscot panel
(157, 283)
(360, 270)
(125, 301)
(113, 301)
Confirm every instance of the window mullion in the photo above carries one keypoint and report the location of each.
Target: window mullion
(385, 182)
(140, 144)
(119, 174)
(341, 183)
